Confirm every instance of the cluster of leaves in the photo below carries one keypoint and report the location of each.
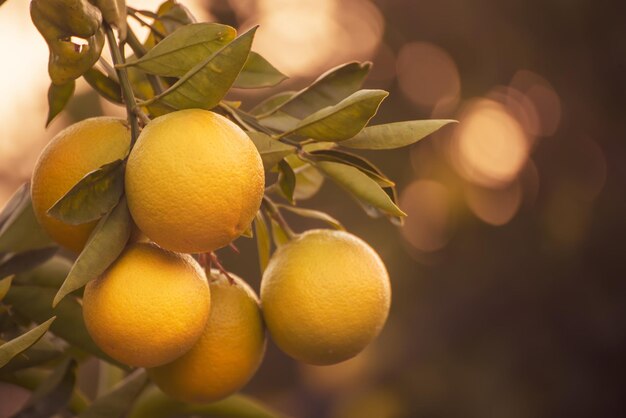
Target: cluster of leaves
(304, 136)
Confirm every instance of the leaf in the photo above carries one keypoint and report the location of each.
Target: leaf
(271, 150)
(330, 88)
(208, 82)
(314, 214)
(257, 73)
(53, 394)
(272, 103)
(104, 85)
(118, 401)
(93, 196)
(5, 285)
(308, 181)
(343, 120)
(286, 180)
(46, 349)
(114, 13)
(360, 185)
(35, 303)
(355, 161)
(19, 229)
(395, 135)
(18, 262)
(58, 97)
(154, 404)
(105, 244)
(183, 49)
(52, 273)
(262, 240)
(18, 345)
(279, 235)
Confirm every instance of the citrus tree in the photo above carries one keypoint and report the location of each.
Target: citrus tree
(109, 251)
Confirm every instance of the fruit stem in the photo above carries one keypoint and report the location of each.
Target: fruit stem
(273, 211)
(127, 90)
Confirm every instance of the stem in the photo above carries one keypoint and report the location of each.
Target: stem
(133, 14)
(127, 90)
(140, 51)
(274, 213)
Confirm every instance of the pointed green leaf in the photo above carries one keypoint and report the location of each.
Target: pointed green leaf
(93, 196)
(272, 103)
(395, 135)
(314, 214)
(53, 394)
(104, 85)
(262, 240)
(58, 97)
(355, 161)
(5, 285)
(258, 73)
(360, 185)
(330, 88)
(19, 229)
(118, 401)
(271, 150)
(343, 120)
(208, 82)
(35, 303)
(18, 345)
(184, 48)
(15, 263)
(279, 235)
(105, 244)
(286, 180)
(308, 181)
(46, 349)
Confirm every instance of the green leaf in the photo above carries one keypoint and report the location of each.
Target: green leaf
(258, 73)
(19, 229)
(330, 88)
(272, 103)
(343, 120)
(262, 240)
(105, 244)
(308, 181)
(5, 285)
(182, 50)
(15, 263)
(52, 273)
(208, 82)
(395, 135)
(46, 349)
(118, 401)
(279, 235)
(104, 85)
(271, 150)
(58, 97)
(93, 196)
(114, 13)
(360, 185)
(18, 345)
(314, 214)
(35, 303)
(286, 180)
(53, 394)
(355, 161)
(154, 404)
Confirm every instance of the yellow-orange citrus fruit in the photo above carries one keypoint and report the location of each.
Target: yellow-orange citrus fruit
(68, 157)
(194, 181)
(228, 353)
(149, 307)
(325, 295)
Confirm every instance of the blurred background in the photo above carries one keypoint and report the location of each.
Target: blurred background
(508, 275)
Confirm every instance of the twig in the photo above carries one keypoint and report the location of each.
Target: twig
(215, 260)
(274, 213)
(140, 51)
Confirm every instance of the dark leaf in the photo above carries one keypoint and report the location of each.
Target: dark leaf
(52, 273)
(258, 73)
(5, 285)
(114, 13)
(104, 85)
(262, 240)
(46, 349)
(53, 394)
(208, 82)
(355, 161)
(343, 120)
(118, 401)
(314, 214)
(271, 150)
(93, 196)
(20, 344)
(394, 135)
(15, 263)
(286, 180)
(58, 97)
(105, 244)
(19, 229)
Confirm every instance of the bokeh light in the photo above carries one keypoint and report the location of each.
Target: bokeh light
(543, 97)
(428, 75)
(494, 206)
